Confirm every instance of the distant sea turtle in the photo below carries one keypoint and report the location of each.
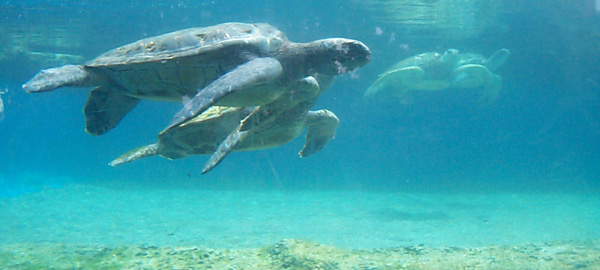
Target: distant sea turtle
(223, 129)
(432, 71)
(230, 64)
(2, 104)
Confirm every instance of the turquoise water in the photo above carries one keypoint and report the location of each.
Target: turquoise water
(541, 135)
(543, 130)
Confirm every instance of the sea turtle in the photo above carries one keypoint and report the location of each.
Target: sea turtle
(223, 129)
(432, 71)
(2, 104)
(230, 64)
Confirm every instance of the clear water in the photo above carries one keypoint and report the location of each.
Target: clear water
(541, 135)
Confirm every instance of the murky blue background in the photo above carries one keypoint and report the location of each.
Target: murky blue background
(542, 133)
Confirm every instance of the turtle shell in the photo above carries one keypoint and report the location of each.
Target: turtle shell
(177, 64)
(422, 60)
(470, 59)
(437, 67)
(202, 134)
(193, 41)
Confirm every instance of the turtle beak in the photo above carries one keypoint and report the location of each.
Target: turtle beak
(335, 56)
(350, 55)
(360, 53)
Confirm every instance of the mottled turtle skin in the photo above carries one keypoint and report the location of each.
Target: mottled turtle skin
(220, 130)
(230, 64)
(433, 71)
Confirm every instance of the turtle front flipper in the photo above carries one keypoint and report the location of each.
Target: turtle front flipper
(379, 84)
(497, 59)
(322, 125)
(397, 81)
(50, 79)
(472, 76)
(105, 108)
(140, 152)
(243, 77)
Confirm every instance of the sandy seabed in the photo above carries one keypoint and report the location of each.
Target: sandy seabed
(299, 254)
(94, 227)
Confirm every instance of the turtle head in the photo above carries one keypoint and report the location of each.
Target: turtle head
(336, 56)
(450, 56)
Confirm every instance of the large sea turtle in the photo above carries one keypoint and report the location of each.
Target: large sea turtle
(230, 64)
(433, 71)
(223, 129)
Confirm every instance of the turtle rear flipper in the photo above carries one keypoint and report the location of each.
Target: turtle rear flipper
(226, 146)
(235, 137)
(497, 59)
(105, 108)
(322, 125)
(243, 77)
(140, 152)
(50, 79)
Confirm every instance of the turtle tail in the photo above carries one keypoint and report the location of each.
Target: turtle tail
(50, 79)
(140, 152)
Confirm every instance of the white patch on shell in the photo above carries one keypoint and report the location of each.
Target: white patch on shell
(270, 45)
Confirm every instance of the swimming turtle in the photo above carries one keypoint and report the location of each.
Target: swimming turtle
(2, 104)
(433, 71)
(230, 64)
(223, 129)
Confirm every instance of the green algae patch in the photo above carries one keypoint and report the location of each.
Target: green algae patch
(292, 254)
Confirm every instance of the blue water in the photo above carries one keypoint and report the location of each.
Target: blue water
(542, 133)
